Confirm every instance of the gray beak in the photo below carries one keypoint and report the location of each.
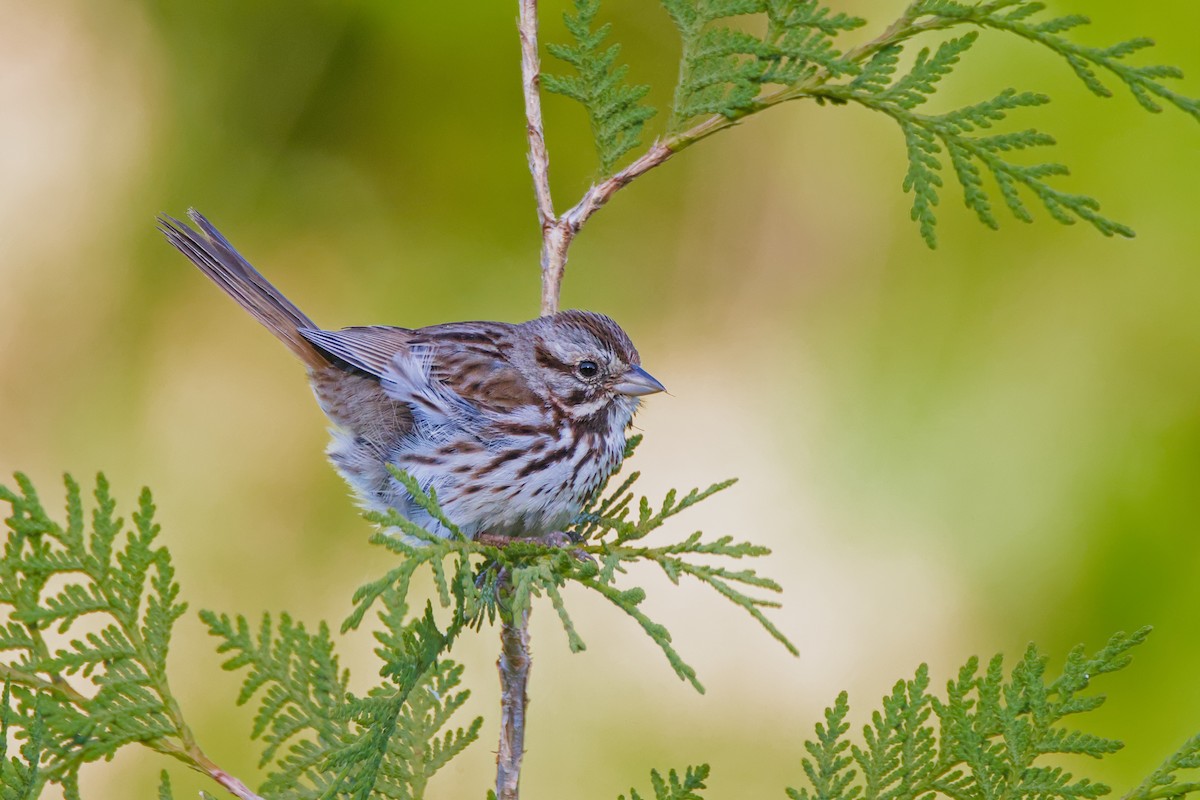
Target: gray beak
(637, 382)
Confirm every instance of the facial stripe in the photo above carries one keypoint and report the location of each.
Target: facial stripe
(547, 359)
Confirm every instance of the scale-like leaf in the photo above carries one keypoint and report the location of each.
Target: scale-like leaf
(110, 573)
(986, 738)
(615, 108)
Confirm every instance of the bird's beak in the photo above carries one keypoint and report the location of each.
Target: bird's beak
(637, 382)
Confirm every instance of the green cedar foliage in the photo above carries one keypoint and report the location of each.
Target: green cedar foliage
(164, 786)
(719, 67)
(673, 787)
(1164, 782)
(987, 738)
(80, 703)
(19, 778)
(741, 57)
(614, 108)
(322, 741)
(964, 136)
(609, 538)
(992, 736)
(51, 575)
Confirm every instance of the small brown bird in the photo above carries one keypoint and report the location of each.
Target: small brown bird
(514, 426)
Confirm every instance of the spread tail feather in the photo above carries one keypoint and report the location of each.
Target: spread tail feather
(216, 258)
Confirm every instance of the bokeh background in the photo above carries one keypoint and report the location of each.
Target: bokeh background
(950, 452)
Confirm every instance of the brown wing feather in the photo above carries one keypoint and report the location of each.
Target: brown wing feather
(369, 348)
(469, 357)
(472, 358)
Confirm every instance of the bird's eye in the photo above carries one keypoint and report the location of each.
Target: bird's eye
(587, 369)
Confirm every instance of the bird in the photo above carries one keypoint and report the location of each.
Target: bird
(513, 425)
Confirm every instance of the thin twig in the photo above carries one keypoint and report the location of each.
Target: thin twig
(531, 79)
(602, 192)
(554, 244)
(231, 784)
(55, 684)
(513, 666)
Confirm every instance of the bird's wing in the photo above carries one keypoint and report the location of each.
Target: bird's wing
(471, 359)
(368, 348)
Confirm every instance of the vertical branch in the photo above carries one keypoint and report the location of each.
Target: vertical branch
(556, 237)
(555, 241)
(513, 666)
(531, 82)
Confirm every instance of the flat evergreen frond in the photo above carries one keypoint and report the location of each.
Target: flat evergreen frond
(724, 67)
(116, 575)
(964, 138)
(297, 677)
(164, 786)
(915, 87)
(613, 529)
(321, 740)
(415, 751)
(673, 787)
(1165, 781)
(1143, 82)
(458, 586)
(426, 501)
(607, 537)
(615, 108)
(800, 35)
(986, 738)
(721, 68)
(394, 747)
(827, 768)
(791, 14)
(20, 775)
(954, 137)
(879, 71)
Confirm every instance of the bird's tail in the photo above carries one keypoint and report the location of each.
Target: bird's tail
(216, 258)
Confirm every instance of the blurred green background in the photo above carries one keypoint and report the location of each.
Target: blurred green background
(950, 452)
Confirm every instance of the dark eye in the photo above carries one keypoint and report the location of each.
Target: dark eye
(587, 369)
